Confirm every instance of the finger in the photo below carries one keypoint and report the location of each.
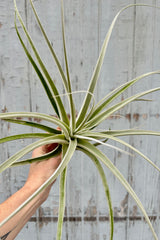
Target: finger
(49, 147)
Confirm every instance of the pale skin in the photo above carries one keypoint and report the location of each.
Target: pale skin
(39, 172)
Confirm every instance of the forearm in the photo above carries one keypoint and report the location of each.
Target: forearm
(39, 172)
(24, 219)
(20, 219)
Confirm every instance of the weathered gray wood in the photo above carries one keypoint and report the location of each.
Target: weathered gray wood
(132, 51)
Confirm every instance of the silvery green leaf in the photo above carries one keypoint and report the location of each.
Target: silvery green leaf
(104, 136)
(35, 125)
(97, 153)
(23, 136)
(106, 188)
(102, 116)
(47, 140)
(71, 149)
(56, 96)
(46, 156)
(42, 116)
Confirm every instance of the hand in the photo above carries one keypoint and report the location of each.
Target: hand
(40, 171)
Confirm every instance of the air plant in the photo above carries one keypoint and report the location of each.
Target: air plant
(77, 132)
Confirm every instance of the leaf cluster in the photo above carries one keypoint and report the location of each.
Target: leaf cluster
(77, 133)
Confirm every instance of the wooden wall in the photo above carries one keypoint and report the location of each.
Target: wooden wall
(134, 49)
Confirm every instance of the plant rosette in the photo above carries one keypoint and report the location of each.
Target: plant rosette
(77, 133)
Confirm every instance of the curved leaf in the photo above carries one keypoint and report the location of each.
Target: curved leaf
(46, 156)
(37, 70)
(97, 153)
(62, 192)
(99, 63)
(52, 139)
(106, 188)
(72, 106)
(71, 148)
(50, 47)
(42, 116)
(94, 138)
(102, 116)
(126, 132)
(116, 92)
(35, 125)
(23, 136)
(43, 68)
(100, 135)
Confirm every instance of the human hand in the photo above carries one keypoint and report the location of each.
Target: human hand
(40, 171)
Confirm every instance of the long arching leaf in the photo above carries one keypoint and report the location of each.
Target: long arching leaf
(101, 142)
(52, 139)
(71, 148)
(50, 47)
(98, 66)
(97, 153)
(61, 203)
(46, 156)
(62, 193)
(42, 116)
(127, 132)
(106, 188)
(116, 92)
(102, 116)
(37, 70)
(23, 136)
(105, 136)
(43, 68)
(72, 106)
(35, 125)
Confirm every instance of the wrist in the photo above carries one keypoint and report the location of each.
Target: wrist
(31, 188)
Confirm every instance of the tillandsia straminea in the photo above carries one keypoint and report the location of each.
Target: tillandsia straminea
(77, 132)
